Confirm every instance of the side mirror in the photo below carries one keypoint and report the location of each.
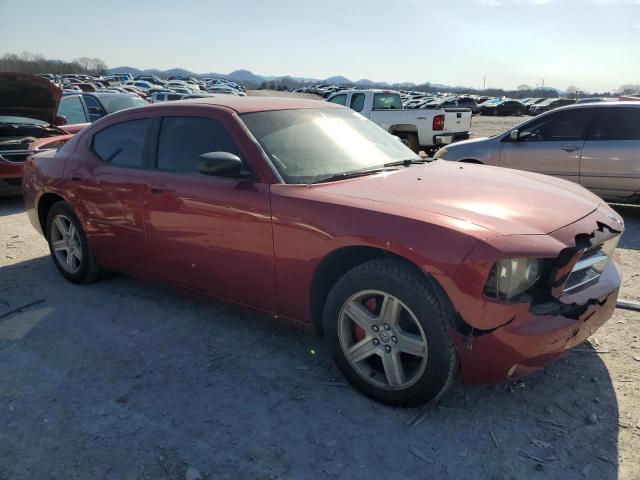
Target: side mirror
(94, 110)
(60, 120)
(514, 135)
(221, 164)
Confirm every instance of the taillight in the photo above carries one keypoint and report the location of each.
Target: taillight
(438, 122)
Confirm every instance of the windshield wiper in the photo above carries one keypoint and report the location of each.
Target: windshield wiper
(353, 174)
(406, 162)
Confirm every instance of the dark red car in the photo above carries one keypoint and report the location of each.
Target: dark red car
(308, 211)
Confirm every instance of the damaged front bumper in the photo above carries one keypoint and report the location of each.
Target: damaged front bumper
(498, 340)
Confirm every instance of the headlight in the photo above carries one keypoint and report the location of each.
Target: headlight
(441, 153)
(511, 277)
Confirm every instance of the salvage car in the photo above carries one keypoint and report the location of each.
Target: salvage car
(421, 129)
(310, 212)
(89, 107)
(550, 104)
(502, 107)
(595, 145)
(28, 123)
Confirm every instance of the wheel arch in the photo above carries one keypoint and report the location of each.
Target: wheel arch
(45, 203)
(340, 261)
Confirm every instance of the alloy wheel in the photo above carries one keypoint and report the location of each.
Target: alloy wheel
(65, 242)
(382, 340)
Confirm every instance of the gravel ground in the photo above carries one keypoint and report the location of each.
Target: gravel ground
(124, 379)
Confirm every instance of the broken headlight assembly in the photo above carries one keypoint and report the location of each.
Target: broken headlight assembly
(511, 277)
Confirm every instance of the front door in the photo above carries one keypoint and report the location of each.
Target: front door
(551, 145)
(212, 234)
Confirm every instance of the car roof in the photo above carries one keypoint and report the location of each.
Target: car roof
(253, 104)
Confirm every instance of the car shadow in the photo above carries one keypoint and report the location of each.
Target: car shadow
(11, 205)
(127, 379)
(631, 214)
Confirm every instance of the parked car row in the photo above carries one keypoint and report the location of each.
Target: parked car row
(146, 85)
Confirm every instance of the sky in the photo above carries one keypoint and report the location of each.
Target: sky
(591, 44)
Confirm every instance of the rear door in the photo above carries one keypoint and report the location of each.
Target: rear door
(610, 164)
(550, 144)
(212, 234)
(108, 182)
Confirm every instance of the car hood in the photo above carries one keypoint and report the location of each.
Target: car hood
(25, 95)
(504, 201)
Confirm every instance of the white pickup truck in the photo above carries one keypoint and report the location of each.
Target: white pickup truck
(422, 129)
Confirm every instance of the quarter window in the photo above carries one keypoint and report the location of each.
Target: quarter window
(615, 124)
(123, 143)
(339, 99)
(183, 139)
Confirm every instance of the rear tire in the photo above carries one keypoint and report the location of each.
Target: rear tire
(405, 357)
(69, 247)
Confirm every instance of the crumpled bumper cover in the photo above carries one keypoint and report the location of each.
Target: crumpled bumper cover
(500, 341)
(528, 343)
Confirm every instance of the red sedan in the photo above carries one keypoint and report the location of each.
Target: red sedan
(306, 210)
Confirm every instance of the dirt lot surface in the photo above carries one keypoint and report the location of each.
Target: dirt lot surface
(124, 379)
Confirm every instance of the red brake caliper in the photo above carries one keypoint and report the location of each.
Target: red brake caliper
(370, 305)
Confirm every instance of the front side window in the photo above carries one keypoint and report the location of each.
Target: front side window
(72, 109)
(339, 99)
(615, 124)
(123, 143)
(311, 145)
(387, 101)
(357, 102)
(183, 139)
(559, 126)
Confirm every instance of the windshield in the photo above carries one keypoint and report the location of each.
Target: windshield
(22, 121)
(309, 145)
(115, 103)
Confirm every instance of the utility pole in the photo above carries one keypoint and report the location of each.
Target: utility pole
(484, 82)
(543, 85)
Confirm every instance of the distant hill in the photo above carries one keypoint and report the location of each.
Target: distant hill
(248, 78)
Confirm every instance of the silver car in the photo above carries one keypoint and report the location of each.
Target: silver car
(595, 145)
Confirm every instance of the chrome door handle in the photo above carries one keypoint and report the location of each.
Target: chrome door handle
(156, 189)
(570, 148)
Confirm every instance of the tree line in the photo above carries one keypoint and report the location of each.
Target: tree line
(27, 62)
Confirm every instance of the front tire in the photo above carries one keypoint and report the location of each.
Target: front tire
(69, 246)
(387, 330)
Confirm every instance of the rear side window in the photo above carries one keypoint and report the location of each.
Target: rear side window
(339, 99)
(387, 101)
(357, 102)
(183, 139)
(123, 143)
(558, 126)
(72, 109)
(615, 124)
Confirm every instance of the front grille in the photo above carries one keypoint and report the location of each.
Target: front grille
(590, 265)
